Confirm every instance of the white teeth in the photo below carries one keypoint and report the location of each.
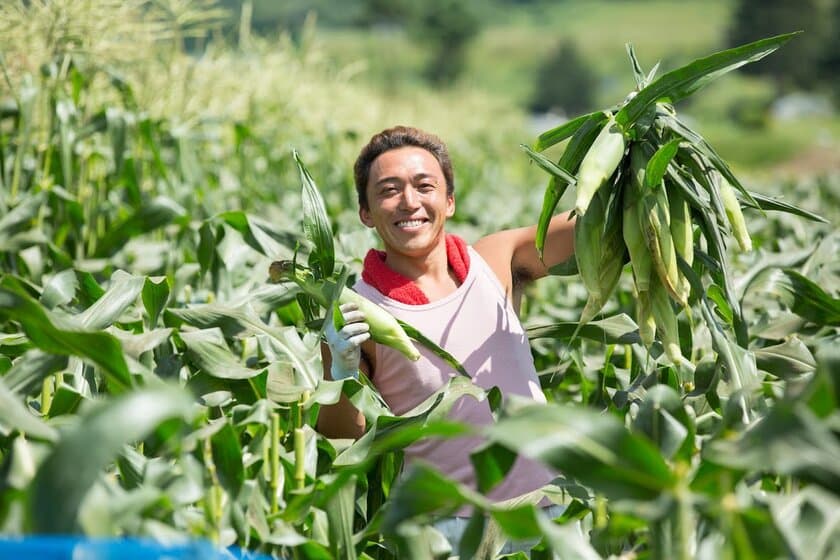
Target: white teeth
(409, 223)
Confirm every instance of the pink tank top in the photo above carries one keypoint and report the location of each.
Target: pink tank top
(478, 326)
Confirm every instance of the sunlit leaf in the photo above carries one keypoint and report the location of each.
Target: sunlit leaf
(786, 360)
(15, 414)
(111, 424)
(316, 224)
(155, 294)
(618, 329)
(227, 456)
(685, 80)
(46, 333)
(596, 449)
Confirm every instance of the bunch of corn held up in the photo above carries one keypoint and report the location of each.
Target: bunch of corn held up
(650, 188)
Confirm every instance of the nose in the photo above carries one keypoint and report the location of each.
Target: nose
(410, 199)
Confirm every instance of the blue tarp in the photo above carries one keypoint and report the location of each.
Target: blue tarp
(83, 548)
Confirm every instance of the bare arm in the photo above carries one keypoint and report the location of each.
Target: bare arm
(513, 256)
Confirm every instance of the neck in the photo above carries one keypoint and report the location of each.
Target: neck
(433, 266)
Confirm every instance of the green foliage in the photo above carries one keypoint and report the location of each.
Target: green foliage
(447, 27)
(565, 82)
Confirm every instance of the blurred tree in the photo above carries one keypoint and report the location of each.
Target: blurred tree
(797, 62)
(564, 82)
(830, 59)
(375, 12)
(447, 27)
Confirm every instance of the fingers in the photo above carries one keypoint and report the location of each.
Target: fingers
(358, 339)
(352, 329)
(351, 313)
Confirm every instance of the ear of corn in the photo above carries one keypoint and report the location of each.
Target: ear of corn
(734, 215)
(670, 172)
(599, 163)
(666, 321)
(588, 232)
(682, 233)
(644, 318)
(656, 228)
(631, 221)
(610, 263)
(384, 327)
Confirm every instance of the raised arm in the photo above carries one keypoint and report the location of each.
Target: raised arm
(513, 256)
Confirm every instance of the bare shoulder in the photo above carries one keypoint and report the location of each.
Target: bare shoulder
(513, 256)
(498, 250)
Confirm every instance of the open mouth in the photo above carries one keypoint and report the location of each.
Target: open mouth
(410, 224)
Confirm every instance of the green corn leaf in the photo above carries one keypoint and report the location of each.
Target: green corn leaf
(558, 134)
(789, 440)
(739, 362)
(809, 520)
(422, 491)
(808, 300)
(66, 400)
(19, 218)
(764, 202)
(15, 414)
(241, 321)
(822, 395)
(260, 235)
(155, 295)
(491, 464)
(150, 216)
(662, 417)
(769, 261)
(786, 360)
(340, 511)
(583, 137)
(316, 224)
(593, 448)
(417, 336)
(52, 335)
(708, 156)
(227, 457)
(29, 371)
(688, 186)
(658, 163)
(122, 293)
(549, 166)
(618, 329)
(638, 73)
(60, 289)
(206, 251)
(684, 81)
(74, 464)
(208, 350)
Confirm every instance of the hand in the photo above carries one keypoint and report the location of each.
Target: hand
(346, 344)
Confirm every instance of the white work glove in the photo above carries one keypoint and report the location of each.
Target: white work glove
(346, 344)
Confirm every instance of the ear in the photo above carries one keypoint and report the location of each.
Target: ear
(450, 205)
(364, 216)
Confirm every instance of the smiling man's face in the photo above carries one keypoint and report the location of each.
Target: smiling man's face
(408, 202)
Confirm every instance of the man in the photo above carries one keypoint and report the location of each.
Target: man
(464, 298)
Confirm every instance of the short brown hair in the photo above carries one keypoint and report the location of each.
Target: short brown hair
(399, 137)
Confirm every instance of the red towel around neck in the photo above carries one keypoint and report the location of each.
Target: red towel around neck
(396, 286)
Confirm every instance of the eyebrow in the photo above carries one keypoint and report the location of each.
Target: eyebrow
(395, 179)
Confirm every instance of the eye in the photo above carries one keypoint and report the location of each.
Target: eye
(426, 187)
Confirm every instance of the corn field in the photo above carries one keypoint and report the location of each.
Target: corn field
(156, 382)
